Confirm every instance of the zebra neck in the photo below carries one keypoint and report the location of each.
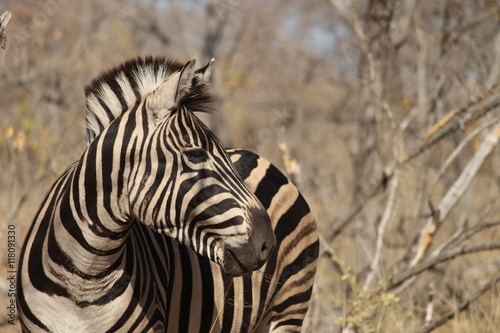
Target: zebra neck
(71, 255)
(94, 213)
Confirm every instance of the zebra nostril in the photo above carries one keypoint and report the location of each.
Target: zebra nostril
(266, 250)
(263, 248)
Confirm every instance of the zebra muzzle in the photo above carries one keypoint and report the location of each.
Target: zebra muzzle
(252, 255)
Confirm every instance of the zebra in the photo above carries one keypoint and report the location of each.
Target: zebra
(158, 228)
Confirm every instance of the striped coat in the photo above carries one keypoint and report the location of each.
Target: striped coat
(177, 273)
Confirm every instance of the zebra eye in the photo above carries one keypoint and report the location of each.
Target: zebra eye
(196, 155)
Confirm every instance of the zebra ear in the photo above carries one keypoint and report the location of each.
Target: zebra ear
(171, 91)
(204, 73)
(185, 80)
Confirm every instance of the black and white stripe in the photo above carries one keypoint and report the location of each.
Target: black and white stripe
(196, 261)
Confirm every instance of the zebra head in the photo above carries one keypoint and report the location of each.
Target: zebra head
(180, 181)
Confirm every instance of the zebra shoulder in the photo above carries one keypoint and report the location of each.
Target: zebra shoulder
(257, 171)
(293, 266)
(283, 201)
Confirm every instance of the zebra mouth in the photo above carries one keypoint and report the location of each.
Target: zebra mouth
(234, 270)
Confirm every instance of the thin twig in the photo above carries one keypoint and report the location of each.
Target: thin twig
(444, 319)
(476, 112)
(341, 224)
(430, 262)
(429, 311)
(464, 233)
(477, 107)
(454, 239)
(471, 232)
(455, 193)
(436, 92)
(459, 149)
(459, 237)
(381, 230)
(4, 20)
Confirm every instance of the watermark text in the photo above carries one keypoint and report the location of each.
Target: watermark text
(11, 274)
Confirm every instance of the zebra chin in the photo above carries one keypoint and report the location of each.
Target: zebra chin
(237, 263)
(248, 257)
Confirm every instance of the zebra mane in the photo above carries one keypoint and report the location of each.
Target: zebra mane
(117, 90)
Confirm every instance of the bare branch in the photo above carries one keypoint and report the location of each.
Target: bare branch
(291, 164)
(456, 191)
(459, 148)
(340, 225)
(495, 69)
(4, 20)
(454, 239)
(429, 311)
(341, 8)
(462, 234)
(435, 93)
(403, 30)
(381, 231)
(444, 319)
(400, 278)
(473, 110)
(471, 232)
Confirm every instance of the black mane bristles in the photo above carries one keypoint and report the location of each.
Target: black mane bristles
(117, 90)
